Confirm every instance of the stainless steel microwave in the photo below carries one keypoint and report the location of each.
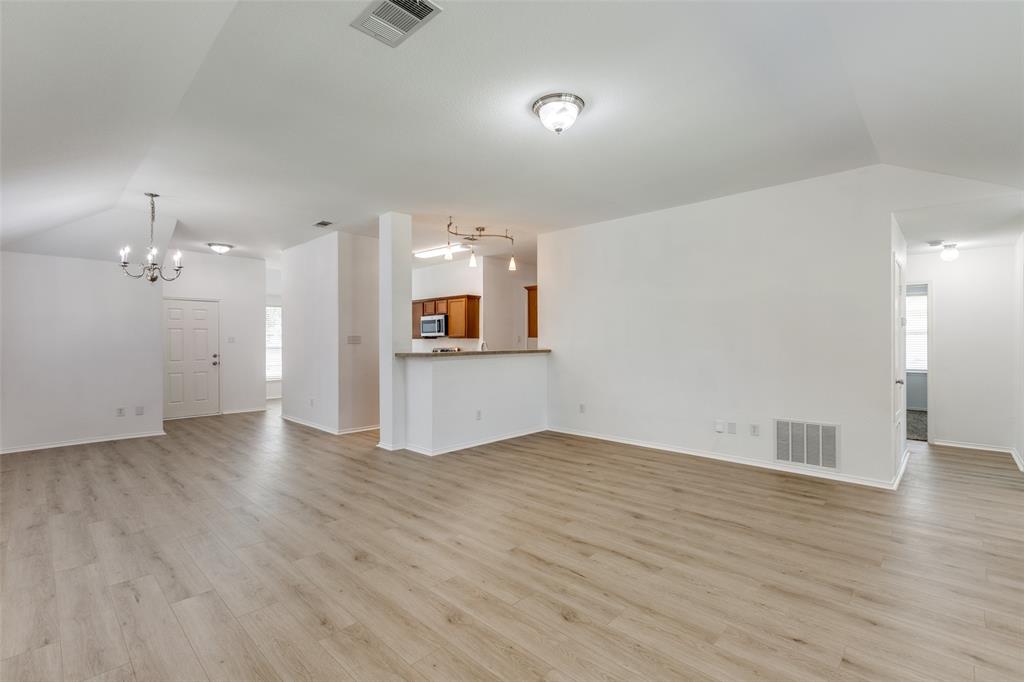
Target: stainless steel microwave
(433, 325)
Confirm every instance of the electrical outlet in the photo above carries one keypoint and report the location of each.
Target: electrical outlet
(139, 410)
(755, 430)
(583, 408)
(732, 428)
(720, 426)
(479, 415)
(120, 412)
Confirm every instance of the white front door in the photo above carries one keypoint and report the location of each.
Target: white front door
(191, 358)
(899, 395)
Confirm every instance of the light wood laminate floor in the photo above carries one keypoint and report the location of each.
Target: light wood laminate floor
(246, 548)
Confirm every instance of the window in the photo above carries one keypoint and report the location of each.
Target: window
(273, 342)
(917, 329)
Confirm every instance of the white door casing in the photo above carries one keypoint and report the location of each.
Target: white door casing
(899, 395)
(191, 358)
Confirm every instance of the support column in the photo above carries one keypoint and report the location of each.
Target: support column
(395, 300)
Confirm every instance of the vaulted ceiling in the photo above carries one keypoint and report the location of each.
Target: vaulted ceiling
(256, 119)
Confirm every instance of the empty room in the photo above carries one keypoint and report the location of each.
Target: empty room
(498, 340)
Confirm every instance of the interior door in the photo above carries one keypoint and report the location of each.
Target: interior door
(899, 363)
(191, 358)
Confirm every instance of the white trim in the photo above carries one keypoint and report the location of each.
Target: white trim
(903, 468)
(81, 441)
(1011, 451)
(388, 447)
(431, 452)
(192, 416)
(764, 464)
(333, 432)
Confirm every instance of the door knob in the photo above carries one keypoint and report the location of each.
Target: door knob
(216, 355)
(898, 381)
(215, 363)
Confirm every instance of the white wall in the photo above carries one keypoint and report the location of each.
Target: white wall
(974, 348)
(329, 295)
(359, 402)
(79, 340)
(310, 348)
(239, 284)
(503, 313)
(1019, 277)
(767, 304)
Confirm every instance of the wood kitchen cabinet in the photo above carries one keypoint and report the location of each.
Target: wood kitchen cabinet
(463, 315)
(531, 311)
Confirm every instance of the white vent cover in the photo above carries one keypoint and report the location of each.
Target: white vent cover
(807, 443)
(392, 21)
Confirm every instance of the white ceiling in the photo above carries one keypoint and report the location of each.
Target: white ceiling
(255, 120)
(991, 221)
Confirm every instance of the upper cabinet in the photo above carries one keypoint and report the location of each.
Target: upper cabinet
(463, 315)
(531, 311)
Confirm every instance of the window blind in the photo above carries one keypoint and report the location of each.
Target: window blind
(917, 332)
(273, 342)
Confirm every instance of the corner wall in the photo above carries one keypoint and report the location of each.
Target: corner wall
(79, 340)
(1019, 289)
(974, 352)
(775, 303)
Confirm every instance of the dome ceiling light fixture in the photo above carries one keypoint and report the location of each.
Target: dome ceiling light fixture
(558, 111)
(949, 251)
(478, 234)
(219, 248)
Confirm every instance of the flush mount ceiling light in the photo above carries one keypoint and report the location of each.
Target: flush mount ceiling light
(150, 270)
(441, 251)
(558, 111)
(479, 233)
(949, 251)
(219, 248)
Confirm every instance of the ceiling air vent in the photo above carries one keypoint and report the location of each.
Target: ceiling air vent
(392, 21)
(323, 223)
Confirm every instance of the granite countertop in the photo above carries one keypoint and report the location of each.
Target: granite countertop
(471, 352)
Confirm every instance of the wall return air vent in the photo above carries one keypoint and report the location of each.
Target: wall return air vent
(392, 21)
(807, 443)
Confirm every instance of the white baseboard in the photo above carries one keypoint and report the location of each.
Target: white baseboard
(248, 409)
(776, 466)
(81, 441)
(433, 452)
(1018, 458)
(333, 432)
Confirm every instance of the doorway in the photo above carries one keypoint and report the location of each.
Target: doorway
(191, 358)
(917, 333)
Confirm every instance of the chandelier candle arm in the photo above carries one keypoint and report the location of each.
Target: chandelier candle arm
(150, 270)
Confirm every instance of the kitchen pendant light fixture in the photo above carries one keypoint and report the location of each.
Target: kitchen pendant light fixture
(558, 111)
(480, 232)
(149, 270)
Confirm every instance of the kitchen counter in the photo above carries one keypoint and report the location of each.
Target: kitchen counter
(453, 405)
(471, 352)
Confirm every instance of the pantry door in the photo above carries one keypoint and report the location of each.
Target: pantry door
(191, 358)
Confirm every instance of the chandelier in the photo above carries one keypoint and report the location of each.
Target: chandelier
(150, 270)
(478, 234)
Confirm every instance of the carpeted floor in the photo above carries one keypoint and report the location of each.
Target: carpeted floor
(917, 425)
